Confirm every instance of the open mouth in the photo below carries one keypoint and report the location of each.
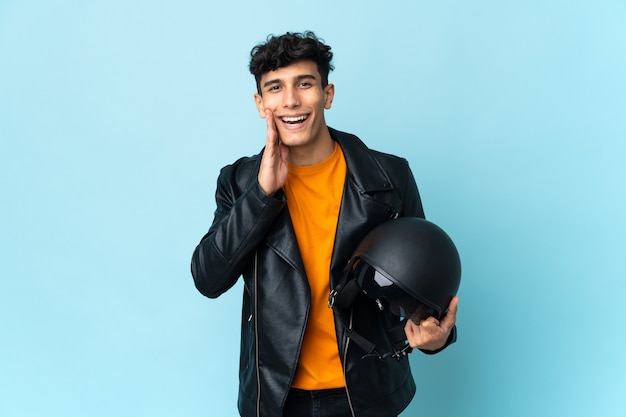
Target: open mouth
(294, 120)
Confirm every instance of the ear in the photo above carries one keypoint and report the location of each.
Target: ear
(329, 94)
(258, 100)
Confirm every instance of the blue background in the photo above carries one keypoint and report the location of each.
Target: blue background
(116, 116)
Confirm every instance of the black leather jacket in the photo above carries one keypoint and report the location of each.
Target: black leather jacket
(252, 235)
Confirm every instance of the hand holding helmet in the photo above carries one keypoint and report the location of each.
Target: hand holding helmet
(431, 334)
(414, 266)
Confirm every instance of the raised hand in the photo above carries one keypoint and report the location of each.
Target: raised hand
(273, 170)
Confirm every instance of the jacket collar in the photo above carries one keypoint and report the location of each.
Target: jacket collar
(363, 168)
(365, 173)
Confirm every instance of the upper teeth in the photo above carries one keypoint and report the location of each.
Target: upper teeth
(294, 119)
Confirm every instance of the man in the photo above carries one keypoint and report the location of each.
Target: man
(288, 220)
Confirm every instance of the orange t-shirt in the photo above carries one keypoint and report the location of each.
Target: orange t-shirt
(313, 198)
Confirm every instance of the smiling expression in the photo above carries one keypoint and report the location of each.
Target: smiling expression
(297, 100)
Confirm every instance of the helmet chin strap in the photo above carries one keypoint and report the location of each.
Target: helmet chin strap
(397, 335)
(344, 295)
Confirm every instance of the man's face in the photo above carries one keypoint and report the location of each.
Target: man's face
(297, 100)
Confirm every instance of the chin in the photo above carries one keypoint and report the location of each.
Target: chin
(294, 139)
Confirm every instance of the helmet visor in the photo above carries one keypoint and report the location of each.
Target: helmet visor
(378, 286)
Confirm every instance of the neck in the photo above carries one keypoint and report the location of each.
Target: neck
(313, 154)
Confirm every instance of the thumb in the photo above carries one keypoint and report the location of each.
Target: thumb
(450, 318)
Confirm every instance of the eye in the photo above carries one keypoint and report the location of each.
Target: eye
(305, 84)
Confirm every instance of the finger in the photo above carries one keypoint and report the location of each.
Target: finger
(271, 128)
(410, 329)
(432, 320)
(450, 318)
(429, 323)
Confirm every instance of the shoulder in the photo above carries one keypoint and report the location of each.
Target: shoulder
(241, 165)
(241, 172)
(388, 159)
(356, 149)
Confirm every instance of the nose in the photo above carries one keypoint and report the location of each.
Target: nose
(290, 98)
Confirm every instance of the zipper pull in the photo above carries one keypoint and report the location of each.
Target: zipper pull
(331, 298)
(393, 214)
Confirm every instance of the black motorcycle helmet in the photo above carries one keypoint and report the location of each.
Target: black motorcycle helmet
(410, 262)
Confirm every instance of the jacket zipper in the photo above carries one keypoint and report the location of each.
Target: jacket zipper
(345, 357)
(256, 337)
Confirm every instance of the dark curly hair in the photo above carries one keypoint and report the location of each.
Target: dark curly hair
(287, 49)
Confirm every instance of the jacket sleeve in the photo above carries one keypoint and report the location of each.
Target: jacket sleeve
(242, 219)
(412, 206)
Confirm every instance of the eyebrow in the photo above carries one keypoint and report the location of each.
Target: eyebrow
(298, 78)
